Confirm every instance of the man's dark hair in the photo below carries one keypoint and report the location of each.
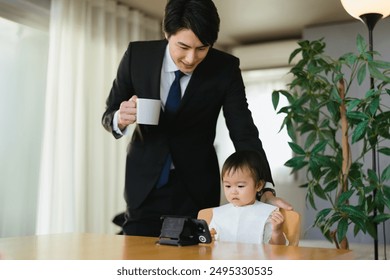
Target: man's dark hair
(200, 16)
(246, 159)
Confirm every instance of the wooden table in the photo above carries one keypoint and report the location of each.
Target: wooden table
(117, 247)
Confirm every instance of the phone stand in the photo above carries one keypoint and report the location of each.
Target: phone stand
(183, 231)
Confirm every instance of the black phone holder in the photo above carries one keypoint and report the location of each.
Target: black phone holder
(183, 231)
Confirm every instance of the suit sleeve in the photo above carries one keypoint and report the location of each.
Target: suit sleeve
(121, 90)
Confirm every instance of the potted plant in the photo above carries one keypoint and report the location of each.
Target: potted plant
(325, 119)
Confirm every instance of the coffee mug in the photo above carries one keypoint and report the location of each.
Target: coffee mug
(148, 111)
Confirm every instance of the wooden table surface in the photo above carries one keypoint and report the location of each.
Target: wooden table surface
(74, 246)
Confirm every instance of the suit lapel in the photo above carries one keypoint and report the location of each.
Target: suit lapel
(199, 76)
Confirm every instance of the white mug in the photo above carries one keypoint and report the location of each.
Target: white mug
(148, 111)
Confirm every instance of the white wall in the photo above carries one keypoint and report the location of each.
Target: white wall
(265, 55)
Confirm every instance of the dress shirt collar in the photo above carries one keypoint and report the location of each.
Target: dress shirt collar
(168, 65)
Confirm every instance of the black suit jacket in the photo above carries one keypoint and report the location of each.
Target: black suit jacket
(216, 83)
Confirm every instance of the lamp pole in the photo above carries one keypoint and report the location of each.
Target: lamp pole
(370, 12)
(370, 20)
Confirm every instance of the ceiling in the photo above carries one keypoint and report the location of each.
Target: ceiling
(257, 21)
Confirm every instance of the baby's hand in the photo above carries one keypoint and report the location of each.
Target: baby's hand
(277, 220)
(213, 234)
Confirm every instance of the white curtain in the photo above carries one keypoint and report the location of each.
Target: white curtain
(82, 167)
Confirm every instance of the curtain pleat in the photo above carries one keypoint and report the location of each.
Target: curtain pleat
(82, 166)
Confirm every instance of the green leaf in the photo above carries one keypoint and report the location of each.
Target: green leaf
(361, 74)
(310, 198)
(319, 191)
(359, 131)
(357, 116)
(296, 163)
(352, 104)
(335, 95)
(310, 139)
(296, 148)
(371, 229)
(319, 147)
(306, 127)
(385, 151)
(342, 229)
(344, 197)
(333, 108)
(361, 43)
(351, 210)
(303, 185)
(288, 95)
(360, 223)
(293, 54)
(377, 74)
(324, 161)
(381, 218)
(380, 64)
(323, 213)
(373, 177)
(374, 105)
(331, 186)
(275, 99)
(349, 59)
(291, 130)
(314, 168)
(386, 174)
(370, 93)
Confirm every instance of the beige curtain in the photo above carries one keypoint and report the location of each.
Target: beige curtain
(82, 167)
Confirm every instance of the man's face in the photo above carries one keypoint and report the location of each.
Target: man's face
(186, 50)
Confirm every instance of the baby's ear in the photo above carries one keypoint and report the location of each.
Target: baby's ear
(260, 185)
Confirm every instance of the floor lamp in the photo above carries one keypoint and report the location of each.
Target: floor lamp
(370, 12)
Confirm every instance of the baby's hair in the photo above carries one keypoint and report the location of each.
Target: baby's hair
(246, 159)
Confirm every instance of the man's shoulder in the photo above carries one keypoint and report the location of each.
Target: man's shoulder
(148, 44)
(220, 59)
(220, 54)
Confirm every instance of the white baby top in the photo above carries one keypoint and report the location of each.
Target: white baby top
(246, 224)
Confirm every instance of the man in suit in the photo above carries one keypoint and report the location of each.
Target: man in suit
(211, 80)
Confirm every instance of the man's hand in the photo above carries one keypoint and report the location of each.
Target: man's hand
(127, 112)
(269, 198)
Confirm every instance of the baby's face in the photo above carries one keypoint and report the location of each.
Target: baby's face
(239, 187)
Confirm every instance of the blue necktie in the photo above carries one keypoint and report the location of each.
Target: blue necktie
(171, 107)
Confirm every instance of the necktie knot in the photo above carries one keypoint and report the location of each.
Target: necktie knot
(178, 74)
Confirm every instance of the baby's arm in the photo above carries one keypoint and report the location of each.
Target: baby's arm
(277, 237)
(213, 234)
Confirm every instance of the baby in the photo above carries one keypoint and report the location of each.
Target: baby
(245, 218)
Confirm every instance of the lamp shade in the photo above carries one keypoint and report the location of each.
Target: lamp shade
(356, 8)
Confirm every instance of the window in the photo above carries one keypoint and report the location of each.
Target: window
(23, 64)
(259, 85)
